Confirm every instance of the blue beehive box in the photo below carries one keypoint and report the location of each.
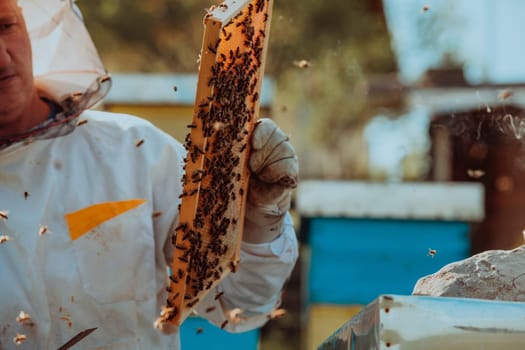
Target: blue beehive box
(365, 239)
(198, 333)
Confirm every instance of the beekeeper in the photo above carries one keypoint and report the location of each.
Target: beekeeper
(79, 246)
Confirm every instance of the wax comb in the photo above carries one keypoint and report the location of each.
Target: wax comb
(211, 217)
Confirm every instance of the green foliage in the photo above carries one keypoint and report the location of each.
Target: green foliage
(164, 34)
(346, 41)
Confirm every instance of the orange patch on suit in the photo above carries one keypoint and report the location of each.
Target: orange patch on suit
(84, 220)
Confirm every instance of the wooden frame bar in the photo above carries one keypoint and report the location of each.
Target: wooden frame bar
(215, 184)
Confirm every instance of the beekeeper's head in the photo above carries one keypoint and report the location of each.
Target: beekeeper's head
(66, 65)
(16, 72)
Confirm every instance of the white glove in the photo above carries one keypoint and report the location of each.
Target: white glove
(274, 170)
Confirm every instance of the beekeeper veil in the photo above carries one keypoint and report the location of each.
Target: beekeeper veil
(66, 64)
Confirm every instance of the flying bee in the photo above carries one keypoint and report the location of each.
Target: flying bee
(139, 143)
(210, 309)
(26, 195)
(3, 214)
(156, 214)
(302, 64)
(43, 230)
(475, 173)
(67, 319)
(432, 252)
(19, 339)
(24, 319)
(277, 313)
(234, 315)
(4, 239)
(82, 122)
(505, 94)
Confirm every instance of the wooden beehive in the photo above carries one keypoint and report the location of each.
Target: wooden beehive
(207, 239)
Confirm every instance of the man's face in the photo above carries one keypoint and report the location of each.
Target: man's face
(16, 71)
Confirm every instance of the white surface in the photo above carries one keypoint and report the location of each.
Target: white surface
(443, 201)
(228, 9)
(409, 322)
(158, 89)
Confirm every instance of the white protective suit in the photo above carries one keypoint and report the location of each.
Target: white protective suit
(80, 246)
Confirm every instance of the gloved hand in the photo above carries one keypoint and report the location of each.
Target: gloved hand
(274, 173)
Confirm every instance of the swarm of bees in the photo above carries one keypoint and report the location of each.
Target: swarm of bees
(206, 241)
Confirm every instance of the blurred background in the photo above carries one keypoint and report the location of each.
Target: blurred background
(407, 117)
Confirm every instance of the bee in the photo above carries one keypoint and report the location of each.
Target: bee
(19, 339)
(210, 10)
(26, 195)
(475, 173)
(219, 295)
(505, 94)
(210, 309)
(175, 88)
(82, 122)
(43, 230)
(139, 143)
(233, 267)
(199, 330)
(3, 215)
(224, 324)
(156, 214)
(4, 239)
(277, 313)
(67, 319)
(234, 315)
(425, 8)
(192, 303)
(432, 252)
(24, 319)
(302, 64)
(212, 49)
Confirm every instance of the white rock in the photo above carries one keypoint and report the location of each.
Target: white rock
(493, 274)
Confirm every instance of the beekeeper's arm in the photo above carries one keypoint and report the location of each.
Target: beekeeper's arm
(269, 249)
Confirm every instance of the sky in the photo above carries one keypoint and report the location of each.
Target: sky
(484, 35)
